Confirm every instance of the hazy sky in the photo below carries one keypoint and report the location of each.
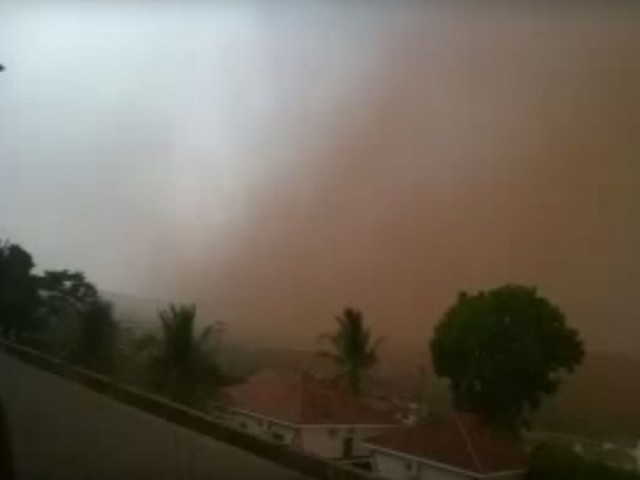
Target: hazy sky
(275, 161)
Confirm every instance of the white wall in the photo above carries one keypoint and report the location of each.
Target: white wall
(430, 472)
(325, 441)
(395, 467)
(248, 423)
(318, 440)
(321, 441)
(282, 433)
(362, 434)
(264, 427)
(515, 476)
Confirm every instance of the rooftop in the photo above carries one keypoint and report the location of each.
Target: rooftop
(306, 400)
(459, 440)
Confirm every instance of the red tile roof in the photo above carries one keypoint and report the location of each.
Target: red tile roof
(460, 440)
(306, 400)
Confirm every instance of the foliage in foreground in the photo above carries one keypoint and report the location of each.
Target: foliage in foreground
(18, 291)
(97, 339)
(502, 351)
(352, 349)
(62, 313)
(59, 312)
(553, 462)
(182, 363)
(65, 295)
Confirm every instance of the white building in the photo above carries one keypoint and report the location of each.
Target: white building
(306, 412)
(453, 447)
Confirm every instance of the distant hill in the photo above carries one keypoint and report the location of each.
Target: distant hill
(134, 310)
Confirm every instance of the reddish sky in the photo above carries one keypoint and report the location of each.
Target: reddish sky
(276, 164)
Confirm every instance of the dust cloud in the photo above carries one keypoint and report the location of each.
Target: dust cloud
(276, 163)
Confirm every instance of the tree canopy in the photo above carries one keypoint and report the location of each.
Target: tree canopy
(502, 351)
(65, 289)
(67, 302)
(18, 290)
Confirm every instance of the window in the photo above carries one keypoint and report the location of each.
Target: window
(244, 426)
(277, 436)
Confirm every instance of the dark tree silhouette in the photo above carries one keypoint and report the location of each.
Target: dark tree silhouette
(183, 363)
(65, 293)
(352, 349)
(66, 297)
(18, 291)
(97, 337)
(503, 351)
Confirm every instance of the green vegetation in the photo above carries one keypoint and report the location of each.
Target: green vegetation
(18, 291)
(77, 324)
(62, 313)
(182, 363)
(97, 342)
(65, 292)
(59, 311)
(352, 349)
(553, 462)
(502, 352)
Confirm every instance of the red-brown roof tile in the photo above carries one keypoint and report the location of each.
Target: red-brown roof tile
(461, 441)
(302, 399)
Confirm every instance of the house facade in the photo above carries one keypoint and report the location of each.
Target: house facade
(307, 413)
(452, 447)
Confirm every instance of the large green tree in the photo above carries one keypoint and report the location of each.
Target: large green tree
(67, 300)
(502, 351)
(352, 349)
(65, 294)
(183, 362)
(18, 291)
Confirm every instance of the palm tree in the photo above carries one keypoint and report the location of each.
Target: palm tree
(183, 365)
(352, 349)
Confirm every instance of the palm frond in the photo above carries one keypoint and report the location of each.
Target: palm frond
(184, 361)
(351, 348)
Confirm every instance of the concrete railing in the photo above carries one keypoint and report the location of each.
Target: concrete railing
(302, 462)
